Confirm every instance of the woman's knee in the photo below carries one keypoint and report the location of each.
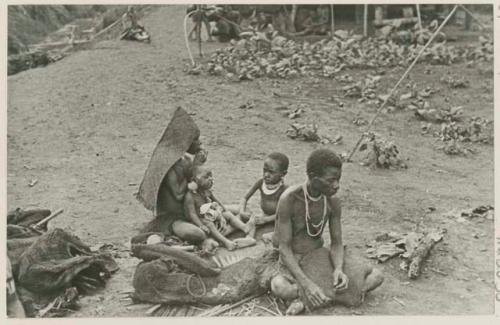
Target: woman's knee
(373, 279)
(283, 289)
(188, 232)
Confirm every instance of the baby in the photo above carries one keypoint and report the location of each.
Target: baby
(208, 213)
(271, 186)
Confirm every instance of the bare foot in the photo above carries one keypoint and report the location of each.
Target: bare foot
(267, 238)
(230, 245)
(295, 308)
(244, 242)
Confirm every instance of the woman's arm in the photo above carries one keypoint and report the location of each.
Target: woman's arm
(190, 210)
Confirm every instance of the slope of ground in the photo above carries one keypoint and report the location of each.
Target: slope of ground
(85, 128)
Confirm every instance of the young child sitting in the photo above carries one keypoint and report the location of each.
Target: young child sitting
(271, 186)
(209, 214)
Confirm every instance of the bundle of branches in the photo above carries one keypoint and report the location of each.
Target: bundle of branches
(380, 152)
(413, 248)
(284, 58)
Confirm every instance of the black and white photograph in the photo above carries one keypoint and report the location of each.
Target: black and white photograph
(249, 159)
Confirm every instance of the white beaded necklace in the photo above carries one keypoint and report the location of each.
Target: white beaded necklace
(307, 216)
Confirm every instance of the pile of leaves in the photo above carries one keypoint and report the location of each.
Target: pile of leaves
(246, 59)
(455, 81)
(455, 135)
(433, 115)
(477, 130)
(381, 153)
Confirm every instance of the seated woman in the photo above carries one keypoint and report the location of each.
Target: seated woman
(173, 188)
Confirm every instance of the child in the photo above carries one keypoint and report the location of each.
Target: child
(271, 186)
(208, 213)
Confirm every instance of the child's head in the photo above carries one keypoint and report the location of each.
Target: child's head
(203, 177)
(324, 169)
(275, 168)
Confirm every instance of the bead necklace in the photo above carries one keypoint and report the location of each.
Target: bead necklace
(307, 216)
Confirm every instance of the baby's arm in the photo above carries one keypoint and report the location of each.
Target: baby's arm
(213, 198)
(250, 193)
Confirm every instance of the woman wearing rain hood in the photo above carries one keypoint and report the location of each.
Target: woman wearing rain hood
(165, 181)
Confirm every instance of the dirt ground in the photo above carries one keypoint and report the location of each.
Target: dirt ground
(86, 126)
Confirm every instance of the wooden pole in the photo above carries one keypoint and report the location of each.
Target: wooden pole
(467, 11)
(401, 80)
(419, 17)
(333, 19)
(47, 219)
(198, 29)
(294, 13)
(365, 20)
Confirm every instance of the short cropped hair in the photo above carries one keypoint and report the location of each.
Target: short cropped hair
(320, 159)
(282, 160)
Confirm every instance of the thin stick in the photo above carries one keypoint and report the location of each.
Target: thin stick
(399, 301)
(401, 80)
(186, 37)
(333, 19)
(47, 219)
(267, 310)
(419, 17)
(473, 16)
(236, 304)
(198, 29)
(365, 20)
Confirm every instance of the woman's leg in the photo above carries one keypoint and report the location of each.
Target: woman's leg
(373, 279)
(188, 232)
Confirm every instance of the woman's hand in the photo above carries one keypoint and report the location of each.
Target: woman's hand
(314, 294)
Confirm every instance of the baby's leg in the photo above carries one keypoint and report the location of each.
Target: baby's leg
(248, 228)
(235, 209)
(188, 232)
(230, 245)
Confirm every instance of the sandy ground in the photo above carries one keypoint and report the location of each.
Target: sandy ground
(86, 126)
